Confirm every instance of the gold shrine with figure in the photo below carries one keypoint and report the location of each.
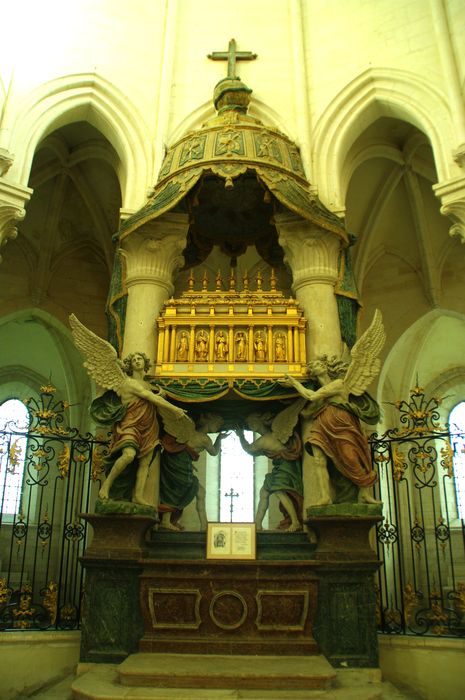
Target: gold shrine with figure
(236, 333)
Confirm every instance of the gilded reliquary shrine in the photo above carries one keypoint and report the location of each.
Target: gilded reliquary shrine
(245, 332)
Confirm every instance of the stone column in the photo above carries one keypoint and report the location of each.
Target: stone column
(313, 256)
(153, 255)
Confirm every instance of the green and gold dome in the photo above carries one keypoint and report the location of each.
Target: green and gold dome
(236, 164)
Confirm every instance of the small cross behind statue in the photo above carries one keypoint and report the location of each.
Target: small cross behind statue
(231, 56)
(231, 495)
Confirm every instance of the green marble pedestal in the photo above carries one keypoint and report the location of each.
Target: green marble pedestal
(343, 530)
(345, 625)
(111, 620)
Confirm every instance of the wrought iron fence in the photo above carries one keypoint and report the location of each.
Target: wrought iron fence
(421, 541)
(42, 539)
(421, 585)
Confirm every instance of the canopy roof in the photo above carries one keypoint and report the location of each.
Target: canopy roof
(227, 170)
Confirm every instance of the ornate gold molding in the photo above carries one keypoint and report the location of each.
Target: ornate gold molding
(231, 333)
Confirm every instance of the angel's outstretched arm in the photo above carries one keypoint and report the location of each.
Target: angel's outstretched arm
(336, 387)
(158, 400)
(288, 380)
(250, 448)
(214, 448)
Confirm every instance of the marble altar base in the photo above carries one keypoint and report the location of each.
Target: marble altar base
(143, 598)
(228, 607)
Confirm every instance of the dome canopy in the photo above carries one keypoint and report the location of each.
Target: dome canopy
(234, 147)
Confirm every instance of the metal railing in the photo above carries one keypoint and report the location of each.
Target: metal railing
(421, 540)
(42, 539)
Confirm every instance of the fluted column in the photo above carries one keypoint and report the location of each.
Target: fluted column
(153, 255)
(313, 256)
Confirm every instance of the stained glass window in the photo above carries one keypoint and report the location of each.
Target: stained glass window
(236, 481)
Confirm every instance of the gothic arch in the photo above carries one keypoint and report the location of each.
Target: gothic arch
(378, 92)
(77, 389)
(18, 381)
(86, 97)
(403, 159)
(412, 357)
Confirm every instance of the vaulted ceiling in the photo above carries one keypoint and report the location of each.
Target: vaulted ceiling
(62, 258)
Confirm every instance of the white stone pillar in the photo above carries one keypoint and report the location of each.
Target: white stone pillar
(313, 256)
(153, 254)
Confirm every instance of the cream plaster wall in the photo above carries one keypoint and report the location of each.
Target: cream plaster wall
(348, 37)
(148, 61)
(431, 667)
(33, 660)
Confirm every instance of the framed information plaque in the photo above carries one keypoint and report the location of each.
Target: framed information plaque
(231, 541)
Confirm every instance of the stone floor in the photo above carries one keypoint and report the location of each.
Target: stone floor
(99, 683)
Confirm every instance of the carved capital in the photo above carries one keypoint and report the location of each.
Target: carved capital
(6, 161)
(452, 196)
(9, 217)
(153, 253)
(12, 201)
(459, 155)
(311, 252)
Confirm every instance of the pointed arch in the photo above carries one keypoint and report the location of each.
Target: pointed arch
(415, 353)
(77, 388)
(86, 97)
(375, 93)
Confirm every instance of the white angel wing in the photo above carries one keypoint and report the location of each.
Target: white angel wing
(365, 363)
(284, 422)
(101, 361)
(182, 428)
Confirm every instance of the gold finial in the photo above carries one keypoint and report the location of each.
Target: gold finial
(191, 280)
(218, 281)
(232, 281)
(205, 282)
(259, 280)
(273, 280)
(245, 281)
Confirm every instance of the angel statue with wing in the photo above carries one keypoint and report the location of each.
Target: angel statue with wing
(182, 444)
(280, 442)
(334, 433)
(131, 406)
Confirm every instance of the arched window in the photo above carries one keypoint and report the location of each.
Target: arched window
(14, 424)
(236, 480)
(457, 436)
